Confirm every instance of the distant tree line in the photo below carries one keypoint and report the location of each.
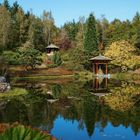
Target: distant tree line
(84, 37)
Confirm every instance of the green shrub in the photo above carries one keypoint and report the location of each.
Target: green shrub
(21, 132)
(56, 59)
(29, 56)
(13, 58)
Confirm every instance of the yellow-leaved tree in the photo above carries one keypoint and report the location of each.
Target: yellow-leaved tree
(122, 54)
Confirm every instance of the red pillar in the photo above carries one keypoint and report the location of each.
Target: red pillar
(106, 69)
(96, 68)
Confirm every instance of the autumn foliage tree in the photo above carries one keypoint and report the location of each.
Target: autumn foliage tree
(63, 40)
(122, 54)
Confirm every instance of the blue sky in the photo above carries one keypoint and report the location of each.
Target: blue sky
(67, 10)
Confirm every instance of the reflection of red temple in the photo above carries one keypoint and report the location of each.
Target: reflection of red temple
(100, 87)
(99, 83)
(101, 61)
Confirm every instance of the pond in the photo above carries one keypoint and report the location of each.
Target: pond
(100, 109)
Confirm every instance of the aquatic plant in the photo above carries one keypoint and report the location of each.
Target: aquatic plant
(21, 132)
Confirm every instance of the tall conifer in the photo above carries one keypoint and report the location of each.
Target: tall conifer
(137, 40)
(6, 4)
(90, 40)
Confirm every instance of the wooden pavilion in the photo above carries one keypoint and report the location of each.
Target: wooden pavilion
(100, 62)
(51, 49)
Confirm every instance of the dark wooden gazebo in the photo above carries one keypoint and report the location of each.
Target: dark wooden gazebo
(52, 48)
(100, 61)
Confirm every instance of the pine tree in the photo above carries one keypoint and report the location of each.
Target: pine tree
(29, 56)
(71, 28)
(5, 28)
(136, 18)
(90, 40)
(137, 41)
(6, 4)
(14, 8)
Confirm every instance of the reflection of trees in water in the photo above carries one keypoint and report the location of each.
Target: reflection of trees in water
(14, 111)
(56, 90)
(89, 108)
(122, 98)
(86, 112)
(36, 111)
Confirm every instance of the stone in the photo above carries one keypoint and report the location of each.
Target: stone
(2, 79)
(4, 86)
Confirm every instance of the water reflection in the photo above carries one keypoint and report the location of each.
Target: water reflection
(77, 114)
(100, 83)
(100, 87)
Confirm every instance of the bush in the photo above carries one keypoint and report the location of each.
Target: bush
(29, 56)
(21, 132)
(13, 58)
(77, 59)
(56, 59)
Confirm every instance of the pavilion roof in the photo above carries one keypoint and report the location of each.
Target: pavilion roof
(52, 46)
(101, 57)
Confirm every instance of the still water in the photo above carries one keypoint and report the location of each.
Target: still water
(100, 109)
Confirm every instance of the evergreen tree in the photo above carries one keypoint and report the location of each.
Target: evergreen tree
(79, 38)
(137, 41)
(22, 26)
(135, 30)
(100, 33)
(136, 18)
(5, 28)
(14, 8)
(6, 4)
(29, 56)
(71, 28)
(35, 32)
(90, 40)
(15, 37)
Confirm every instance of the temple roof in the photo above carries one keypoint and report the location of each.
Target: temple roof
(100, 57)
(52, 46)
